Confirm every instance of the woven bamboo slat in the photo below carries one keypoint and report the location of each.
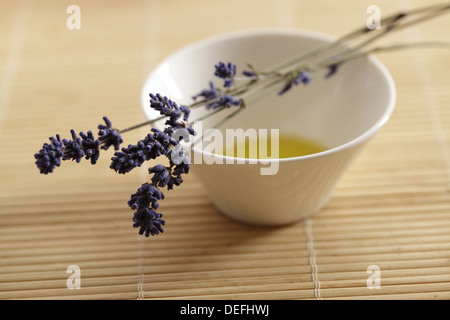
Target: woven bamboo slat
(390, 210)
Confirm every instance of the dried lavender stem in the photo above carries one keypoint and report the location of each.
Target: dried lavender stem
(389, 48)
(394, 22)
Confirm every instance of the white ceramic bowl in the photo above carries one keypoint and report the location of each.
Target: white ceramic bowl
(342, 112)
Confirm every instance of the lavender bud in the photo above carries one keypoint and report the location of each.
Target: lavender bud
(73, 149)
(303, 77)
(249, 74)
(226, 72)
(209, 94)
(148, 221)
(50, 155)
(332, 69)
(108, 136)
(90, 146)
(224, 101)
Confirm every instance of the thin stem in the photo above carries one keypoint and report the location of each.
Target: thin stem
(409, 45)
(141, 124)
(394, 24)
(390, 21)
(359, 54)
(274, 75)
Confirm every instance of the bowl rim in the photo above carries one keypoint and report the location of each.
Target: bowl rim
(366, 135)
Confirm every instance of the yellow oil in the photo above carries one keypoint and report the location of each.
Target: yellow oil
(288, 147)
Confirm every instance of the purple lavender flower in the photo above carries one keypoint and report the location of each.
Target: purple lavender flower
(108, 136)
(86, 146)
(178, 126)
(72, 148)
(178, 166)
(157, 102)
(145, 201)
(303, 77)
(151, 147)
(174, 181)
(166, 107)
(129, 158)
(50, 155)
(158, 144)
(332, 69)
(170, 176)
(224, 101)
(209, 94)
(217, 100)
(186, 112)
(182, 168)
(145, 197)
(285, 89)
(163, 138)
(171, 110)
(161, 175)
(90, 146)
(226, 72)
(149, 222)
(249, 74)
(180, 134)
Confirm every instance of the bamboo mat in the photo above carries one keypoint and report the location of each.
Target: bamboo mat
(391, 210)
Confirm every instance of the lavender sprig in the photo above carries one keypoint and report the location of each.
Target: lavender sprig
(166, 143)
(226, 71)
(151, 147)
(225, 101)
(208, 94)
(302, 76)
(169, 176)
(154, 145)
(85, 145)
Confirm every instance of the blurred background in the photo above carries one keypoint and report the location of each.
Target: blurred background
(392, 209)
